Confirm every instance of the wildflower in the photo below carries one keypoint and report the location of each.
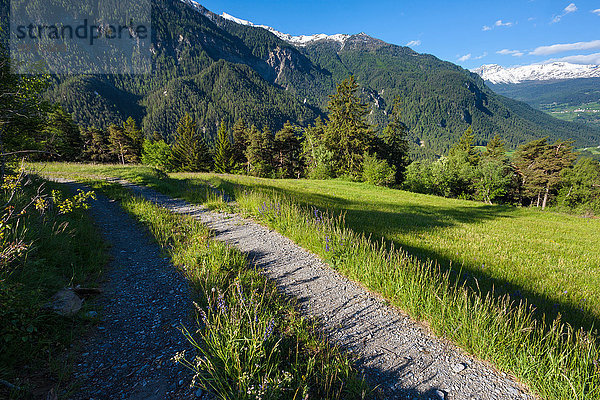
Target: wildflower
(269, 329)
(221, 304)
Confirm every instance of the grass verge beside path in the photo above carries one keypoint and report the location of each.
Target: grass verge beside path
(251, 343)
(556, 361)
(63, 250)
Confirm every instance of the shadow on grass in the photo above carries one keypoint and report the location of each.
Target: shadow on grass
(415, 218)
(406, 218)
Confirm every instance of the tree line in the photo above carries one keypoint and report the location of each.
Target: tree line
(538, 174)
(343, 145)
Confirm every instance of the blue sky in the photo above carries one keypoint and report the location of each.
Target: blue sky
(468, 33)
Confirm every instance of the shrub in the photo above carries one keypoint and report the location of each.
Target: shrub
(157, 154)
(378, 172)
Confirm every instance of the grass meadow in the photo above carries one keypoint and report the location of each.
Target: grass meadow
(499, 281)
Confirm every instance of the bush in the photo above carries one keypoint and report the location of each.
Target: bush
(157, 154)
(378, 172)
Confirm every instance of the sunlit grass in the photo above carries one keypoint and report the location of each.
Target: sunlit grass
(477, 255)
(250, 341)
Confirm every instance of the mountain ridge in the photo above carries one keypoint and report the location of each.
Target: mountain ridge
(217, 69)
(497, 74)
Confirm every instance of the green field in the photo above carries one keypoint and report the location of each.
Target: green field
(478, 253)
(586, 113)
(551, 259)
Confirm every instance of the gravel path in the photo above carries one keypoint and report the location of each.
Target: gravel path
(144, 302)
(399, 355)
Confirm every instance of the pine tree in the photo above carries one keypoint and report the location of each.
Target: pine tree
(240, 143)
(288, 152)
(527, 163)
(120, 145)
(223, 162)
(396, 143)
(496, 149)
(466, 145)
(348, 134)
(62, 135)
(190, 151)
(557, 158)
(260, 152)
(136, 140)
(96, 147)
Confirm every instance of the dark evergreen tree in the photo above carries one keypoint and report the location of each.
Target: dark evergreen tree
(96, 146)
(240, 143)
(396, 143)
(348, 134)
(496, 149)
(260, 152)
(190, 151)
(557, 158)
(466, 145)
(136, 138)
(288, 152)
(62, 136)
(223, 162)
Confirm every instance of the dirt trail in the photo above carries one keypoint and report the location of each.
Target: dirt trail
(399, 355)
(144, 302)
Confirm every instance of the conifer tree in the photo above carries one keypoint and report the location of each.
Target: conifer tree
(96, 146)
(190, 151)
(260, 152)
(557, 158)
(528, 165)
(496, 149)
(396, 143)
(120, 145)
(62, 135)
(223, 162)
(288, 152)
(466, 145)
(240, 143)
(136, 138)
(348, 134)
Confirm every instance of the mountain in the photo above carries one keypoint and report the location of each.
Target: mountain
(224, 68)
(537, 72)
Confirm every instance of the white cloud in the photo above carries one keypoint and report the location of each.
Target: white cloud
(589, 59)
(413, 43)
(465, 57)
(481, 56)
(514, 53)
(560, 48)
(571, 8)
(500, 23)
(597, 12)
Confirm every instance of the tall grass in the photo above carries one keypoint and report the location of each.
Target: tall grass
(250, 342)
(556, 361)
(59, 250)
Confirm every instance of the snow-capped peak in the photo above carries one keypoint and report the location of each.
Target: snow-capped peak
(301, 40)
(537, 72)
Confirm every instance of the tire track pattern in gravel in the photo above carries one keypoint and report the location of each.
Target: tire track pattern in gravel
(403, 358)
(144, 303)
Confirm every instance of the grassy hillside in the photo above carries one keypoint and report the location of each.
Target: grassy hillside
(548, 258)
(552, 259)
